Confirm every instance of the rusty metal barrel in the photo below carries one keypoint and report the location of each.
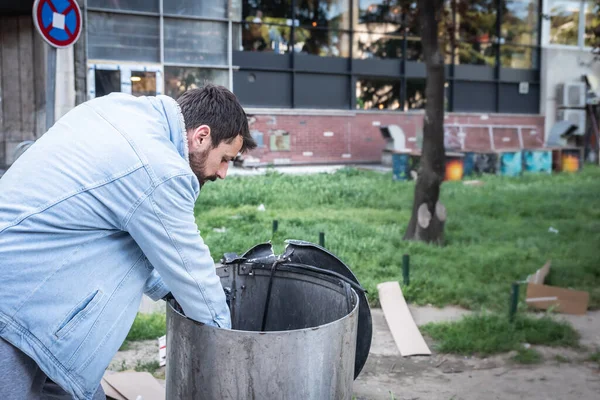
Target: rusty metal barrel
(294, 335)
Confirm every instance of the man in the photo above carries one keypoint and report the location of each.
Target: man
(97, 212)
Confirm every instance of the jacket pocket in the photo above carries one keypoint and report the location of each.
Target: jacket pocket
(78, 313)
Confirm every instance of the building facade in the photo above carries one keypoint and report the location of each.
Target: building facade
(319, 78)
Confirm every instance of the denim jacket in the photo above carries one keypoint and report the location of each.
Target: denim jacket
(97, 212)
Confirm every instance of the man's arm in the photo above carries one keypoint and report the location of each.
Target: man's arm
(163, 226)
(155, 287)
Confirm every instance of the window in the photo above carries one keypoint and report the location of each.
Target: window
(107, 81)
(523, 57)
(415, 94)
(195, 42)
(267, 11)
(414, 49)
(180, 79)
(205, 9)
(476, 53)
(376, 45)
(592, 24)
(564, 22)
(476, 21)
(321, 42)
(143, 83)
(520, 22)
(377, 94)
(123, 37)
(574, 22)
(264, 37)
(379, 15)
(332, 14)
(129, 5)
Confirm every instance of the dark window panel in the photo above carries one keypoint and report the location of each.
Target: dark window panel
(266, 38)
(415, 95)
(328, 65)
(332, 14)
(206, 9)
(180, 79)
(321, 42)
(123, 37)
(469, 72)
(256, 60)
(519, 75)
(511, 101)
(195, 42)
(375, 67)
(377, 94)
(520, 21)
(375, 45)
(263, 89)
(474, 96)
(322, 91)
(107, 81)
(414, 49)
(130, 5)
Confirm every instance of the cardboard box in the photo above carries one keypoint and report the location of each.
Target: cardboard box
(543, 297)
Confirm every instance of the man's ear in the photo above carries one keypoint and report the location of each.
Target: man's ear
(199, 137)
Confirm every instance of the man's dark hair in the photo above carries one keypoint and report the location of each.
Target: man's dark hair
(218, 108)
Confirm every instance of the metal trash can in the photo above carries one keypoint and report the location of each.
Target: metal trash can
(294, 333)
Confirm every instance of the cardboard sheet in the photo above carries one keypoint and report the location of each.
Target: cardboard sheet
(133, 385)
(543, 297)
(404, 330)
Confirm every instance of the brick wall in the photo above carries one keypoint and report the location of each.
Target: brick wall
(318, 136)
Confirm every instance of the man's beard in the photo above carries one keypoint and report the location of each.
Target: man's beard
(198, 164)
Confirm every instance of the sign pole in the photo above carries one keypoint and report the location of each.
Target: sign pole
(50, 85)
(59, 24)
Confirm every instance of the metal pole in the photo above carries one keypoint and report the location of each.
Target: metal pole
(514, 301)
(50, 85)
(406, 269)
(322, 239)
(230, 44)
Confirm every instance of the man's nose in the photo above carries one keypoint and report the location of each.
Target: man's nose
(222, 172)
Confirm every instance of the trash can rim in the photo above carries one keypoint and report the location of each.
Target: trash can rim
(352, 313)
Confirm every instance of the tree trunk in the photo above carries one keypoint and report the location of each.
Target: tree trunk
(430, 227)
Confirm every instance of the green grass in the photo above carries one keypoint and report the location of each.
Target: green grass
(496, 234)
(151, 366)
(528, 356)
(485, 334)
(595, 357)
(146, 327)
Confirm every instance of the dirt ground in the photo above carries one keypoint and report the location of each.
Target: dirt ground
(564, 373)
(387, 375)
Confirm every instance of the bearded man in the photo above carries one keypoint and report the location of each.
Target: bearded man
(99, 211)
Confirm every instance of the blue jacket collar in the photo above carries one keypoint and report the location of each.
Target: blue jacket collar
(177, 131)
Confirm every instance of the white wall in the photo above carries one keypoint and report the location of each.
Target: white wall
(563, 65)
(65, 82)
